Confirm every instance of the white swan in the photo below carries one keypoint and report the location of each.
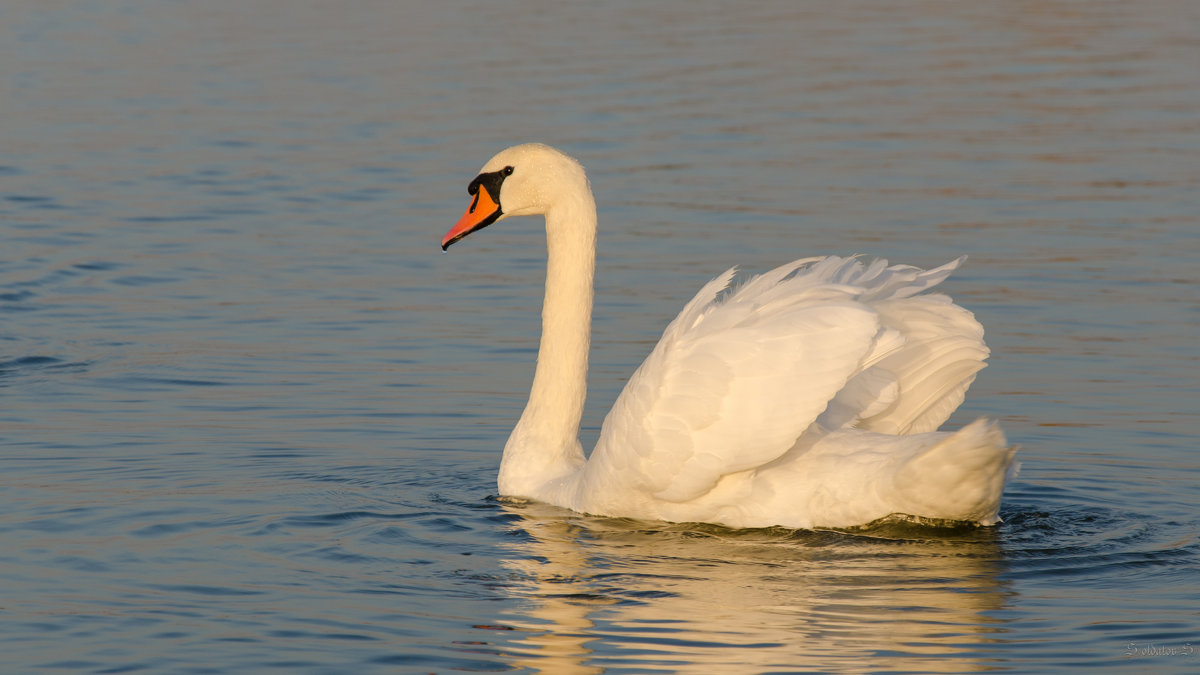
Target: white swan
(805, 397)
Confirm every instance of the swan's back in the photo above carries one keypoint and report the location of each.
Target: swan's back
(747, 372)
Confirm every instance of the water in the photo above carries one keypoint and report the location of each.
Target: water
(250, 418)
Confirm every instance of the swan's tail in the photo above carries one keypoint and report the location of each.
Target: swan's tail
(961, 477)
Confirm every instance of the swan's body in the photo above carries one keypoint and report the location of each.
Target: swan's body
(806, 397)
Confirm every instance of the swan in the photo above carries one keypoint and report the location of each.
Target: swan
(806, 397)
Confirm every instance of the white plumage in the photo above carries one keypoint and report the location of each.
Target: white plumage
(807, 396)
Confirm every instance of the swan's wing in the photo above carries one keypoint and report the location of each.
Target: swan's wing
(943, 351)
(915, 387)
(734, 382)
(742, 372)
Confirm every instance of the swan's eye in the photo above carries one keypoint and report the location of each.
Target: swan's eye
(490, 181)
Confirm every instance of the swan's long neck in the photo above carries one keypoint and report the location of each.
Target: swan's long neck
(543, 451)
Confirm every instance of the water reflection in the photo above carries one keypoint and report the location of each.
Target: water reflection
(610, 593)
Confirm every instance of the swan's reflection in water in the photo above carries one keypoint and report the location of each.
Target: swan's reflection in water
(606, 593)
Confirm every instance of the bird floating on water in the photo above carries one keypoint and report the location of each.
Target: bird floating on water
(805, 397)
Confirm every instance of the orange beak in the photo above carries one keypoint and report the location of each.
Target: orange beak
(482, 212)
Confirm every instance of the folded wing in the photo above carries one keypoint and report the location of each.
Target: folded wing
(744, 371)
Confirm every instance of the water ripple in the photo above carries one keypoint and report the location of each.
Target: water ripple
(37, 366)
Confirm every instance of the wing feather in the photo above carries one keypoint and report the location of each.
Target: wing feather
(743, 371)
(733, 383)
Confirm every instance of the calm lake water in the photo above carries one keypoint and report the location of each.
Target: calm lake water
(250, 416)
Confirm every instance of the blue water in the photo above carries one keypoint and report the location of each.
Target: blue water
(250, 416)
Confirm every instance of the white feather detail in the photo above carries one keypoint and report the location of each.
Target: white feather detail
(737, 379)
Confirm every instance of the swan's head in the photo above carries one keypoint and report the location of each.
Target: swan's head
(524, 180)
